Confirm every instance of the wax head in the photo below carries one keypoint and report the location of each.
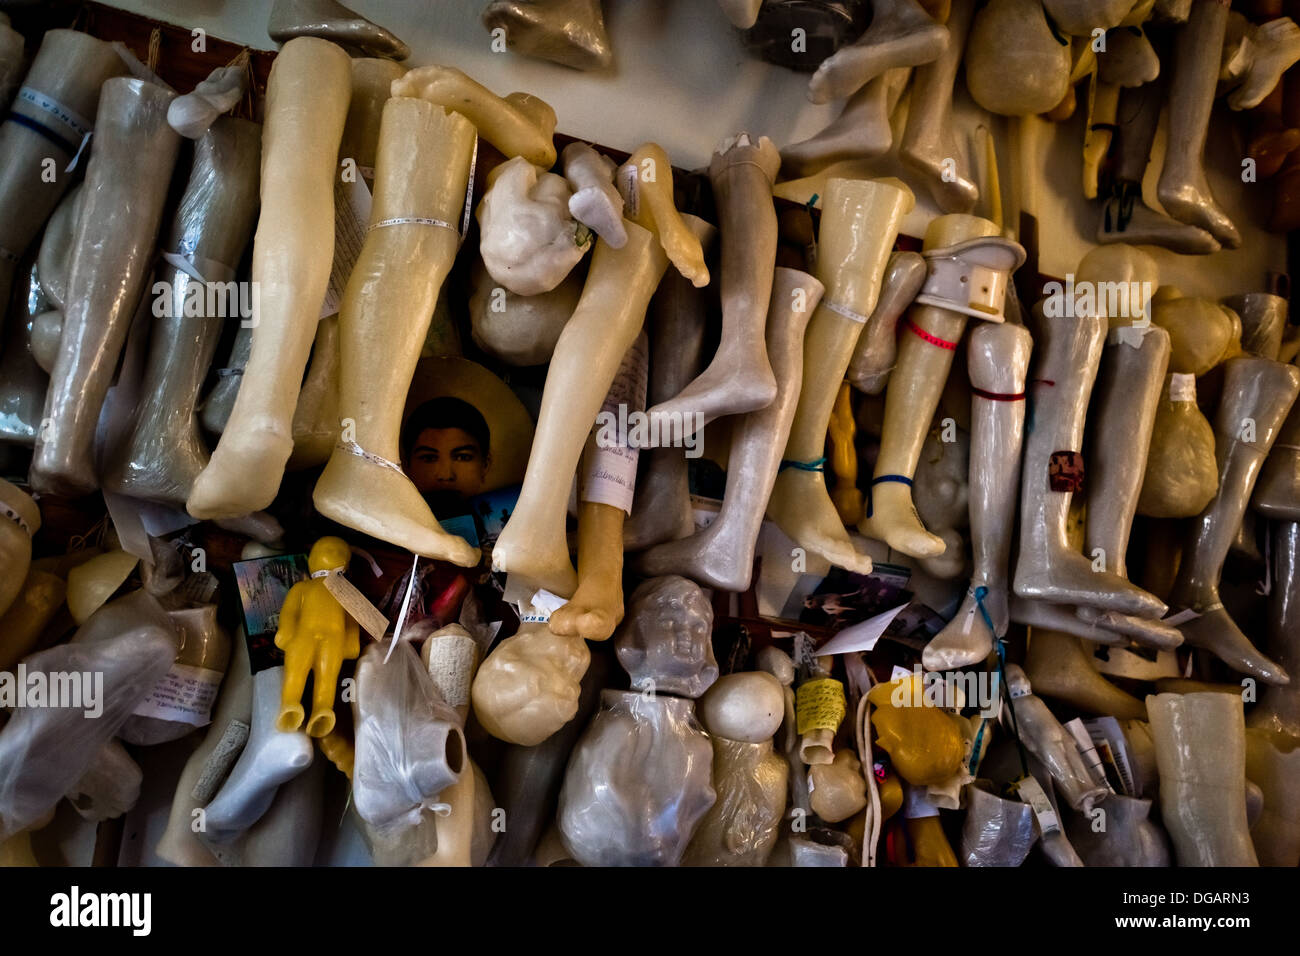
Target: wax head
(747, 707)
(329, 553)
(666, 637)
(447, 446)
(528, 687)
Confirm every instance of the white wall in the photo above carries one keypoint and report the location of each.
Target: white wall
(682, 78)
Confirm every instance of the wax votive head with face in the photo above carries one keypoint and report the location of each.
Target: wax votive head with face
(665, 641)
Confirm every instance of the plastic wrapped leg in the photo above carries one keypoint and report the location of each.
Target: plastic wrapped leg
(109, 787)
(126, 185)
(996, 832)
(1127, 836)
(212, 225)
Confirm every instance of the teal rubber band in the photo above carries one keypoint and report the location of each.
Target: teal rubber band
(817, 464)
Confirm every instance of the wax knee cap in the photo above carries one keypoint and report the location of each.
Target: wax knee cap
(529, 686)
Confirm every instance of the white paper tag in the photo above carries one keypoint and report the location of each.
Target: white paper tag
(861, 636)
(369, 617)
(1031, 792)
(1182, 617)
(352, 202)
(184, 694)
(544, 600)
(609, 477)
(1120, 662)
(1182, 387)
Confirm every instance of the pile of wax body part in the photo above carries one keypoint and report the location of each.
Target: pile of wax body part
(641, 517)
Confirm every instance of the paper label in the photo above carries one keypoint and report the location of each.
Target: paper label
(71, 124)
(1112, 748)
(352, 203)
(609, 477)
(1031, 792)
(219, 762)
(184, 694)
(369, 617)
(861, 636)
(1182, 617)
(819, 705)
(1182, 387)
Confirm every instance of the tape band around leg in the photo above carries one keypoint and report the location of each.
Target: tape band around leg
(845, 311)
(900, 479)
(928, 337)
(352, 448)
(42, 130)
(817, 464)
(998, 396)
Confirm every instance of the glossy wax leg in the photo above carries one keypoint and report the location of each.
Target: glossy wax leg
(1257, 395)
(307, 102)
(722, 555)
(569, 32)
(1278, 708)
(209, 231)
(858, 227)
(739, 378)
(331, 20)
(127, 178)
(997, 362)
(421, 172)
(1183, 189)
(901, 34)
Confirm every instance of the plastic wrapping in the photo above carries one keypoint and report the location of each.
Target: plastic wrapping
(127, 177)
(44, 751)
(183, 700)
(54, 260)
(638, 783)
(204, 244)
(215, 411)
(996, 832)
(1128, 837)
(110, 786)
(409, 745)
(22, 381)
(742, 826)
(1181, 474)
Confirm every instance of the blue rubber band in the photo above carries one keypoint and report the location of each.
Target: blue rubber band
(999, 641)
(817, 464)
(38, 127)
(900, 479)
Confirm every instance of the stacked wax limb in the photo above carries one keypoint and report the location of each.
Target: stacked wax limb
(307, 101)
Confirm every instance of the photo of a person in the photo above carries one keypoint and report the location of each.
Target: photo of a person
(447, 451)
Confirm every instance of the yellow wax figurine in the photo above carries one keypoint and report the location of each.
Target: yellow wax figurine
(317, 635)
(844, 458)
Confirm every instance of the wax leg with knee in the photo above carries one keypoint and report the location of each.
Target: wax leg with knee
(997, 361)
(1058, 667)
(386, 312)
(331, 20)
(1048, 568)
(307, 101)
(212, 225)
(569, 32)
(221, 746)
(859, 224)
(739, 378)
(1015, 63)
(608, 319)
(722, 555)
(316, 419)
(876, 353)
(20, 518)
(1277, 492)
(1183, 189)
(270, 758)
(126, 185)
(927, 147)
(1201, 751)
(596, 607)
(1257, 395)
(661, 508)
(65, 80)
(901, 34)
(925, 353)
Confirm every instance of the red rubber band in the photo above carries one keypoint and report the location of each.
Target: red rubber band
(999, 396)
(932, 339)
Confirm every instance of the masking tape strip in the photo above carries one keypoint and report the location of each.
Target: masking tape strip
(845, 311)
(354, 602)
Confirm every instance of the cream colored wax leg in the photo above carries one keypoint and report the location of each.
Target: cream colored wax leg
(421, 173)
(861, 131)
(1279, 707)
(646, 183)
(858, 227)
(1201, 751)
(997, 360)
(925, 353)
(307, 101)
(331, 20)
(1257, 394)
(928, 148)
(722, 555)
(608, 319)
(901, 34)
(596, 607)
(1184, 190)
(127, 178)
(1048, 568)
(739, 379)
